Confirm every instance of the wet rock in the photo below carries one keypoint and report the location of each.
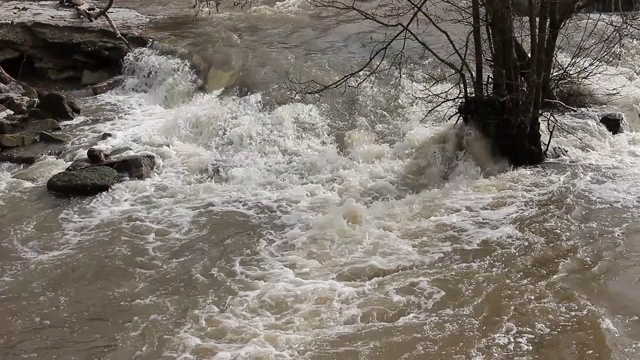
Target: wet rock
(21, 125)
(37, 113)
(16, 88)
(15, 140)
(94, 77)
(79, 164)
(135, 166)
(614, 122)
(108, 85)
(97, 156)
(17, 103)
(105, 136)
(60, 45)
(31, 93)
(56, 105)
(47, 137)
(84, 182)
(8, 127)
(4, 112)
(4, 89)
(557, 152)
(75, 107)
(30, 154)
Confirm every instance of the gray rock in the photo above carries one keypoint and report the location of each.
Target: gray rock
(16, 88)
(4, 89)
(30, 154)
(8, 127)
(97, 156)
(20, 125)
(84, 182)
(51, 138)
(17, 103)
(56, 105)
(105, 136)
(94, 77)
(37, 113)
(134, 166)
(16, 140)
(43, 31)
(108, 85)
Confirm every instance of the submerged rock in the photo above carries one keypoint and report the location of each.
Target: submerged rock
(557, 152)
(614, 122)
(89, 181)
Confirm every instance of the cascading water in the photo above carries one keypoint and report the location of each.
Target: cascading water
(268, 234)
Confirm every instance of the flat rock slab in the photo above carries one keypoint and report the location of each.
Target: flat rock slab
(63, 46)
(50, 12)
(85, 182)
(30, 154)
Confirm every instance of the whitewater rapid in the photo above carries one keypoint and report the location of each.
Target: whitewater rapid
(378, 242)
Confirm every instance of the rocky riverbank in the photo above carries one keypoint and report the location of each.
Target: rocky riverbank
(43, 42)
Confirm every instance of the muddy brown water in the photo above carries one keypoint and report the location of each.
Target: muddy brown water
(262, 236)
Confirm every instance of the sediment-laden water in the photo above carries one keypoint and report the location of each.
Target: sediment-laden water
(349, 228)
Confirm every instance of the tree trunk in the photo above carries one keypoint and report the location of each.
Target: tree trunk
(478, 87)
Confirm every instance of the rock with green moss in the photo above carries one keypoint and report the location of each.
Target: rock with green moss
(84, 182)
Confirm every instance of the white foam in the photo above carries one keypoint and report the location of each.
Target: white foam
(347, 231)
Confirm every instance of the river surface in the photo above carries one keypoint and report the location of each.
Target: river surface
(348, 228)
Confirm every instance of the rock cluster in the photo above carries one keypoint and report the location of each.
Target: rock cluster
(99, 172)
(46, 41)
(30, 122)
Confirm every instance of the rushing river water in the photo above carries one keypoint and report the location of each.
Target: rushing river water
(351, 228)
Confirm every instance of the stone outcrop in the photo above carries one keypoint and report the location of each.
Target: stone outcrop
(51, 41)
(84, 182)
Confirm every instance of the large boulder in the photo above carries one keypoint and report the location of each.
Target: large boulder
(614, 122)
(84, 182)
(56, 105)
